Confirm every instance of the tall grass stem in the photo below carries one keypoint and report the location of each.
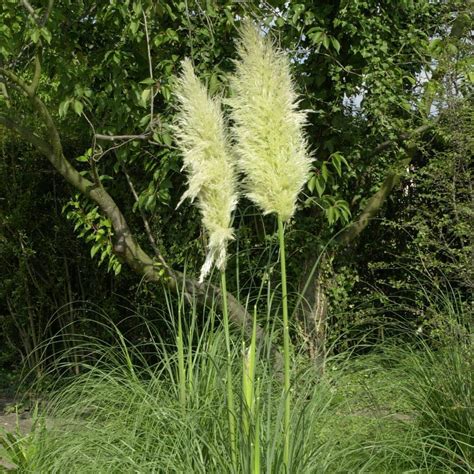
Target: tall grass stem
(181, 363)
(286, 343)
(229, 384)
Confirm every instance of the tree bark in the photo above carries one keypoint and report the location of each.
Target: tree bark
(312, 318)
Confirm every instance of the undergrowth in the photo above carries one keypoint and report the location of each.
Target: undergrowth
(395, 410)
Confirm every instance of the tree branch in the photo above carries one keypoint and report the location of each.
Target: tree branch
(402, 138)
(116, 138)
(37, 75)
(371, 209)
(39, 21)
(143, 216)
(47, 13)
(30, 9)
(27, 134)
(150, 65)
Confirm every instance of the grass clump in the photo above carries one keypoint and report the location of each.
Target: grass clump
(391, 411)
(440, 389)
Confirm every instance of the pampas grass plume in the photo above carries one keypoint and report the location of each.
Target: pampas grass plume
(268, 127)
(202, 139)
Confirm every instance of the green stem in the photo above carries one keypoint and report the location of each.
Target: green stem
(286, 344)
(230, 393)
(181, 367)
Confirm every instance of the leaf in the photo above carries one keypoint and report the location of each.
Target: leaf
(134, 26)
(137, 8)
(64, 107)
(150, 202)
(167, 140)
(326, 41)
(35, 35)
(320, 186)
(336, 162)
(405, 105)
(343, 160)
(95, 248)
(312, 183)
(78, 107)
(166, 92)
(149, 81)
(46, 34)
(144, 121)
(324, 171)
(102, 257)
(317, 37)
(145, 96)
(335, 43)
(213, 83)
(330, 214)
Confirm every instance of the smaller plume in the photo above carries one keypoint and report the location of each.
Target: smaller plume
(201, 137)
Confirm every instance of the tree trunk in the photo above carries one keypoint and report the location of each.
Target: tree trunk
(313, 315)
(312, 318)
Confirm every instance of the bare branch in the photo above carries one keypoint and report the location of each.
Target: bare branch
(148, 231)
(150, 66)
(117, 138)
(37, 75)
(47, 13)
(402, 138)
(94, 138)
(30, 9)
(26, 134)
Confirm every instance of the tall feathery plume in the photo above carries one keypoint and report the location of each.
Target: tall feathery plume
(272, 153)
(270, 143)
(201, 136)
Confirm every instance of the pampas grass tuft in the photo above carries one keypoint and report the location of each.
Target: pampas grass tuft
(268, 127)
(201, 136)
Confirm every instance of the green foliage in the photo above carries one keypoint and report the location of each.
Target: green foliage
(112, 66)
(335, 209)
(96, 230)
(421, 271)
(125, 54)
(109, 69)
(21, 449)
